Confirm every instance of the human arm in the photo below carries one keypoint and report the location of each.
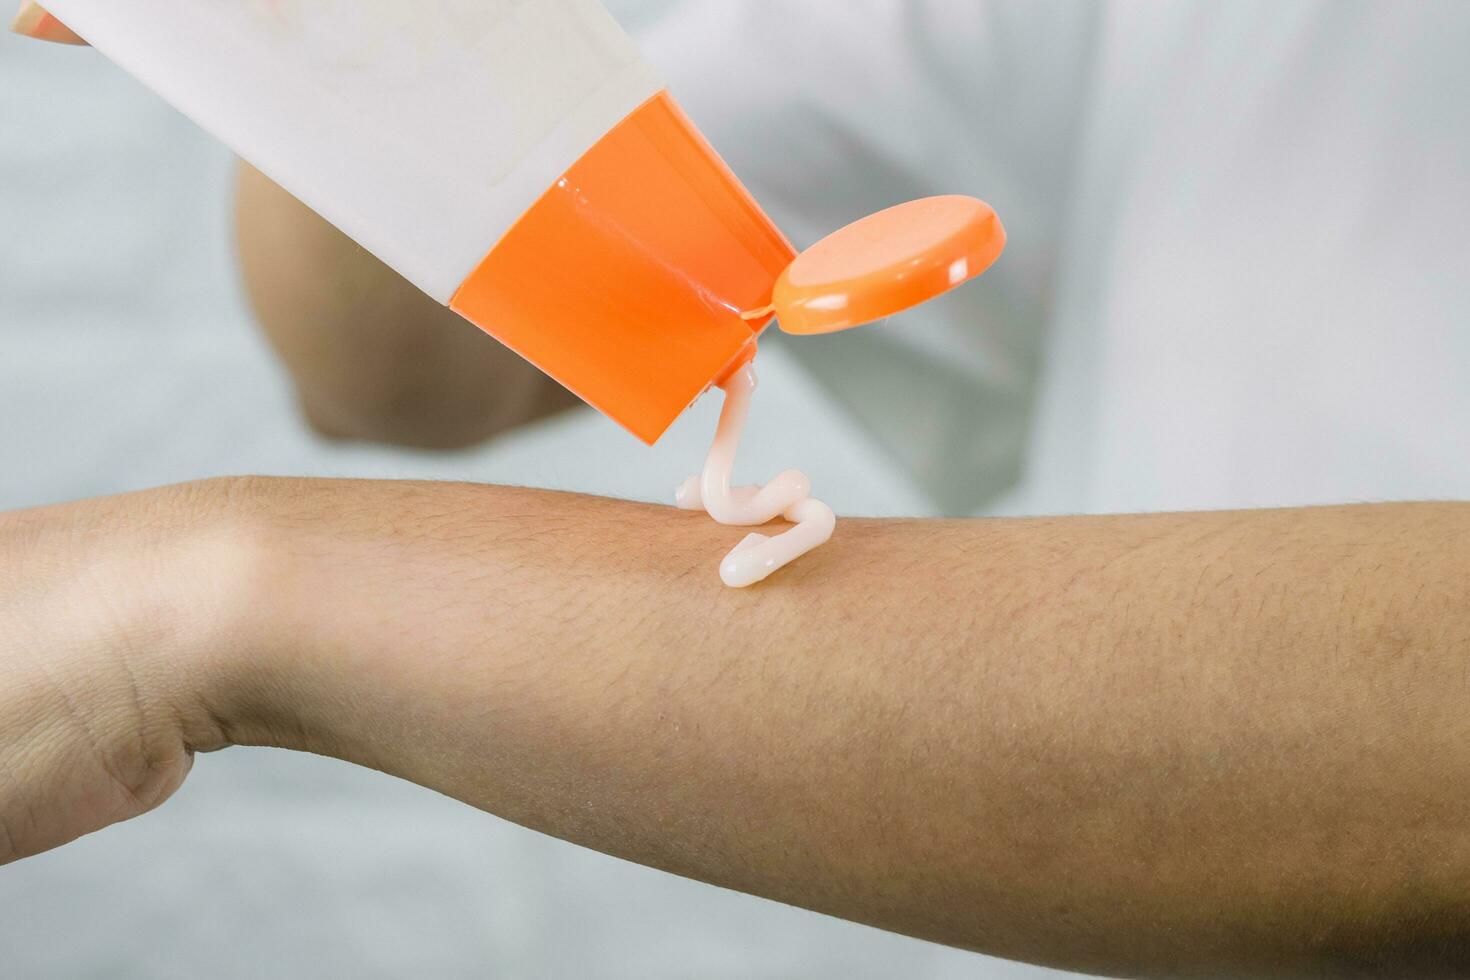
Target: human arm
(370, 355)
(1165, 745)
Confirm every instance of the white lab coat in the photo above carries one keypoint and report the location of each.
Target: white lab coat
(1239, 271)
(1239, 275)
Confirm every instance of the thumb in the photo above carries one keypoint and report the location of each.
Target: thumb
(34, 21)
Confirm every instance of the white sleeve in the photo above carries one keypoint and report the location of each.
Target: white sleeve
(828, 116)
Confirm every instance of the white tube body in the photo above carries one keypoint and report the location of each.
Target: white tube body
(422, 129)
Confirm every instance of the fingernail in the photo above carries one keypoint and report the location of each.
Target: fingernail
(34, 21)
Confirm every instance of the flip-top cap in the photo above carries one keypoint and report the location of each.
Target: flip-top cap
(887, 263)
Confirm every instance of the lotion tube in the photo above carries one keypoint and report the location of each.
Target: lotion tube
(515, 159)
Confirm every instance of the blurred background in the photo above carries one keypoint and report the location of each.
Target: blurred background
(1239, 275)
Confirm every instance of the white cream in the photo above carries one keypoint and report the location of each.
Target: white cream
(788, 496)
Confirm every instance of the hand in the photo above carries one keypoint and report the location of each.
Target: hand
(108, 611)
(372, 357)
(34, 21)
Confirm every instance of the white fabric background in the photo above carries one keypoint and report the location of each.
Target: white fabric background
(1239, 276)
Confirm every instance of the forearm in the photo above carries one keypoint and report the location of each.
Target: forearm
(371, 356)
(1172, 744)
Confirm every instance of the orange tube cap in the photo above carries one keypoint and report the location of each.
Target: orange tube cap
(886, 263)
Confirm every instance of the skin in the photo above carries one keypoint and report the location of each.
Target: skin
(1206, 745)
(1228, 744)
(372, 357)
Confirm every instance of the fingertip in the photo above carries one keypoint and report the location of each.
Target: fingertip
(33, 20)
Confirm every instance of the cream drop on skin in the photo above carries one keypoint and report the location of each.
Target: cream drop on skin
(788, 496)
